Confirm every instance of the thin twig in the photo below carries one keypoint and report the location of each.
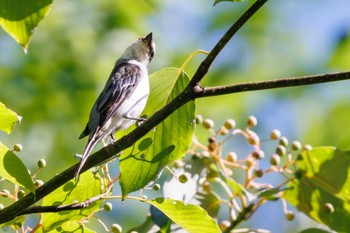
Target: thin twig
(241, 217)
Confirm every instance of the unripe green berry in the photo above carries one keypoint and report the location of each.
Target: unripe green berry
(116, 228)
(281, 150)
(41, 163)
(258, 173)
(229, 124)
(252, 141)
(283, 141)
(206, 187)
(5, 193)
(307, 147)
(258, 154)
(208, 123)
(231, 157)
(296, 145)
(275, 160)
(212, 144)
(17, 147)
(290, 216)
(199, 119)
(183, 178)
(223, 130)
(178, 163)
(224, 225)
(249, 162)
(204, 154)
(275, 134)
(107, 206)
(38, 183)
(299, 173)
(328, 208)
(253, 138)
(212, 140)
(252, 121)
(21, 194)
(196, 155)
(156, 187)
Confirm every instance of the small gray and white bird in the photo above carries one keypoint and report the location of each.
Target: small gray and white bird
(123, 98)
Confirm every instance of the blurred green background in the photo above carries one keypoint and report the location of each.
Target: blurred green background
(73, 51)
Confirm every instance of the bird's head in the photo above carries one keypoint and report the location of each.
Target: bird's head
(141, 50)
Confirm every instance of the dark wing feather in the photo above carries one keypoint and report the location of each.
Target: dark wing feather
(121, 84)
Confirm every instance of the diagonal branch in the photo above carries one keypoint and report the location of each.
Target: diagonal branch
(205, 65)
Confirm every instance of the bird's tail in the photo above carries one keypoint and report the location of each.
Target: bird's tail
(87, 150)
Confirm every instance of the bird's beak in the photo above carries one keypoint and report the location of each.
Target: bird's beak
(148, 38)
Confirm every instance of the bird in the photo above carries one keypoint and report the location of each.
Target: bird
(123, 97)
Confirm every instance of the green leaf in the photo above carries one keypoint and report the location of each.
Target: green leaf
(270, 194)
(217, 1)
(88, 186)
(339, 59)
(19, 18)
(13, 169)
(14, 224)
(8, 119)
(190, 217)
(323, 179)
(235, 186)
(142, 163)
(71, 227)
(210, 202)
(145, 227)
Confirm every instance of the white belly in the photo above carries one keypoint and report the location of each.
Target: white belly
(131, 108)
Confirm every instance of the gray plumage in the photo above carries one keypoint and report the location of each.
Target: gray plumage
(123, 98)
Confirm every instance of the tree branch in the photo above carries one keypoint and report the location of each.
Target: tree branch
(75, 206)
(271, 84)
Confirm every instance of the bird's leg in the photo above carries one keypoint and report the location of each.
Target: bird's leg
(139, 120)
(113, 139)
(105, 143)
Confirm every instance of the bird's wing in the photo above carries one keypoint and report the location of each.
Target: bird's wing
(121, 84)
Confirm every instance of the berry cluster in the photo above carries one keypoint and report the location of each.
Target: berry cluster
(223, 169)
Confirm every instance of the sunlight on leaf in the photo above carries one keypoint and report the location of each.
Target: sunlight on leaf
(322, 189)
(19, 18)
(190, 217)
(89, 185)
(13, 169)
(72, 227)
(142, 163)
(8, 119)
